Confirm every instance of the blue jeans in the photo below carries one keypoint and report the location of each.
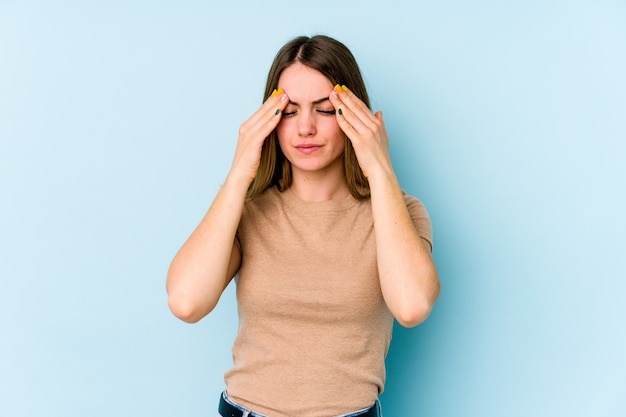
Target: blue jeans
(247, 412)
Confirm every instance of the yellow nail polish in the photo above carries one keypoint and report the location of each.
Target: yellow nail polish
(344, 88)
(338, 88)
(274, 93)
(279, 91)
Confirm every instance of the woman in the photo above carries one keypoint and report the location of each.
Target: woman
(327, 248)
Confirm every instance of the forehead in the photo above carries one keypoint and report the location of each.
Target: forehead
(304, 84)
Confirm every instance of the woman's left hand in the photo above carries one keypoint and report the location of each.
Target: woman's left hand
(365, 130)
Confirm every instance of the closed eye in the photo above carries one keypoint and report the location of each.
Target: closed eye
(324, 112)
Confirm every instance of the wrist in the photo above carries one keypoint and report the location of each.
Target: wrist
(382, 178)
(237, 182)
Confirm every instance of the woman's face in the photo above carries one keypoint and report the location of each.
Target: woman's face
(308, 132)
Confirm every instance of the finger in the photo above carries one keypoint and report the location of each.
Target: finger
(359, 109)
(276, 101)
(348, 122)
(269, 123)
(350, 100)
(348, 117)
(269, 114)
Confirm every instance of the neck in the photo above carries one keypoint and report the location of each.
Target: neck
(319, 187)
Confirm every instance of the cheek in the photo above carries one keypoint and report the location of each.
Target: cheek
(327, 123)
(332, 129)
(281, 131)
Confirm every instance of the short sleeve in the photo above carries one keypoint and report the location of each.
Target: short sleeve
(420, 218)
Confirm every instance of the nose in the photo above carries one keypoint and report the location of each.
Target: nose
(306, 124)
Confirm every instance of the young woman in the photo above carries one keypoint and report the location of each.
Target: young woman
(326, 248)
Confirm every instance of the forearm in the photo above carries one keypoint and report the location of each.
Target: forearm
(208, 260)
(200, 270)
(408, 276)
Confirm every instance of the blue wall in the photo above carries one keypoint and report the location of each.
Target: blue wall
(117, 125)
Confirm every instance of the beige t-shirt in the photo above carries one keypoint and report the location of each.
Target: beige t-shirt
(313, 326)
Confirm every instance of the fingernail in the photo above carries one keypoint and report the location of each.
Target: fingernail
(277, 112)
(275, 92)
(344, 88)
(340, 112)
(338, 88)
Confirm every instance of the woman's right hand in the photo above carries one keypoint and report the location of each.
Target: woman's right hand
(252, 135)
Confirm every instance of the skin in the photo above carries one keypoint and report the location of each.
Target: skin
(408, 277)
(312, 138)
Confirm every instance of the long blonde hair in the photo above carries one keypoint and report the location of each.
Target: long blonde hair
(336, 62)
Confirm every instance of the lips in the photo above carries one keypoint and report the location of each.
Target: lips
(308, 148)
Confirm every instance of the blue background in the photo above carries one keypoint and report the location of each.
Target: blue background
(118, 121)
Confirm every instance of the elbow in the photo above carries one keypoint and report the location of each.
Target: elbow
(183, 302)
(185, 310)
(417, 312)
(411, 317)
(182, 310)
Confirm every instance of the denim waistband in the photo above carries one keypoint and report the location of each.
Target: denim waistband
(229, 408)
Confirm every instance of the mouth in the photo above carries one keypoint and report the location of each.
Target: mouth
(308, 148)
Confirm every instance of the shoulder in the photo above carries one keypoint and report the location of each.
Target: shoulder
(267, 199)
(260, 214)
(414, 204)
(419, 217)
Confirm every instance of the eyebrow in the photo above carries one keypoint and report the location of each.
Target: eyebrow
(318, 101)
